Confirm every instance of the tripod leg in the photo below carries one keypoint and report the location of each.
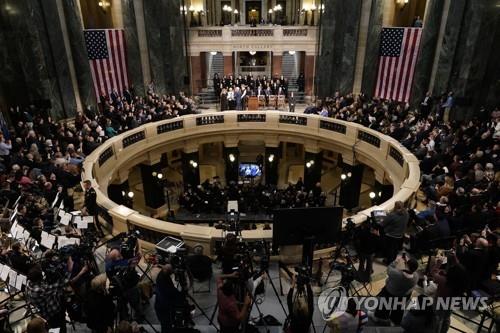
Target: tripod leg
(276, 293)
(203, 312)
(215, 310)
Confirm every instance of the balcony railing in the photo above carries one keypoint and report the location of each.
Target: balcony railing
(246, 38)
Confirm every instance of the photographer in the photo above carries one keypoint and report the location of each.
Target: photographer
(351, 321)
(47, 295)
(230, 314)
(394, 225)
(167, 297)
(401, 279)
(300, 300)
(123, 276)
(227, 254)
(99, 306)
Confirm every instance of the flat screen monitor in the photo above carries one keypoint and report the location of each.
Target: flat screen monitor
(250, 170)
(292, 226)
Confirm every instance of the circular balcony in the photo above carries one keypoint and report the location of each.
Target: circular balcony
(357, 144)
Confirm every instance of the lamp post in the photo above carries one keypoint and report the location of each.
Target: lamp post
(277, 14)
(128, 199)
(270, 16)
(227, 14)
(236, 16)
(164, 183)
(313, 9)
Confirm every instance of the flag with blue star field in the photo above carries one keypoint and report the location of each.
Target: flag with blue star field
(397, 58)
(108, 60)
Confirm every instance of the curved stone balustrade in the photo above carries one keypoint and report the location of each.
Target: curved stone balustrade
(110, 161)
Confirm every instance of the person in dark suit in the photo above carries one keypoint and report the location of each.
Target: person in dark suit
(426, 105)
(90, 204)
(291, 102)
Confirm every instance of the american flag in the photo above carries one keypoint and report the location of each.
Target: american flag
(108, 60)
(398, 55)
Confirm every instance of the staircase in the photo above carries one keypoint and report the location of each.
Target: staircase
(290, 70)
(215, 64)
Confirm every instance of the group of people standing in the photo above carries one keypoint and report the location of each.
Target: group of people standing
(234, 92)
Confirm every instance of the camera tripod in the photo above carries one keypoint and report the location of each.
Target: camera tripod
(347, 283)
(180, 276)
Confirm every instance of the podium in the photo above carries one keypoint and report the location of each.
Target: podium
(253, 103)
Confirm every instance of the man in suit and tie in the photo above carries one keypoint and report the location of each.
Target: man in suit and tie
(426, 105)
(291, 102)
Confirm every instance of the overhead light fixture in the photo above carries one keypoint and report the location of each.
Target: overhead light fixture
(160, 176)
(154, 173)
(372, 195)
(130, 194)
(312, 162)
(291, 52)
(380, 194)
(271, 158)
(235, 11)
(194, 164)
(308, 165)
(253, 10)
(252, 52)
(104, 4)
(213, 53)
(343, 176)
(349, 174)
(123, 193)
(270, 11)
(232, 158)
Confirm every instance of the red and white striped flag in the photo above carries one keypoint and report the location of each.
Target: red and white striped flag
(108, 60)
(396, 66)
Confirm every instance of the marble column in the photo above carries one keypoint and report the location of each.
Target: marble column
(136, 79)
(33, 31)
(428, 42)
(324, 60)
(474, 45)
(74, 25)
(339, 39)
(448, 46)
(490, 95)
(372, 47)
(165, 35)
(58, 65)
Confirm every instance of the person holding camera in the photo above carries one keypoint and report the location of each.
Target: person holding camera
(394, 226)
(401, 279)
(231, 314)
(123, 276)
(351, 320)
(300, 300)
(167, 297)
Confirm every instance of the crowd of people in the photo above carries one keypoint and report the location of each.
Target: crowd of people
(234, 92)
(212, 197)
(40, 163)
(459, 160)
